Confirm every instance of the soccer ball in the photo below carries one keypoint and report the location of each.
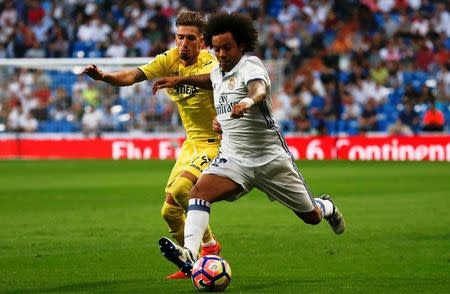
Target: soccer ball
(211, 273)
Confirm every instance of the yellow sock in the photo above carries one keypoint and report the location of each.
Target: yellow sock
(208, 236)
(180, 192)
(175, 219)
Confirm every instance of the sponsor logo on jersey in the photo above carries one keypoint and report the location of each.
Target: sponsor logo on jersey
(186, 89)
(224, 106)
(223, 99)
(182, 91)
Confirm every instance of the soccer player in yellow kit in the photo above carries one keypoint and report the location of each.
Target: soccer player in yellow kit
(196, 108)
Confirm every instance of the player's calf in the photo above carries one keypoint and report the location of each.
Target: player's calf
(311, 217)
(175, 218)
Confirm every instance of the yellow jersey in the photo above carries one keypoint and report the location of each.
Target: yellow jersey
(195, 105)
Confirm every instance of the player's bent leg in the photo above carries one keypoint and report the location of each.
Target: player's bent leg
(174, 216)
(213, 188)
(179, 190)
(196, 224)
(209, 188)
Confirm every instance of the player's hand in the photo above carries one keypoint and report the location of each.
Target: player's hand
(166, 82)
(239, 110)
(94, 72)
(242, 107)
(216, 126)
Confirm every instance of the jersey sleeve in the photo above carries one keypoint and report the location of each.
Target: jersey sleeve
(254, 70)
(157, 67)
(210, 65)
(208, 61)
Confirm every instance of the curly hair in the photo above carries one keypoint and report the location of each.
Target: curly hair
(190, 18)
(239, 25)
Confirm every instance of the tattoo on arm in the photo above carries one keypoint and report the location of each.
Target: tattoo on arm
(125, 77)
(201, 81)
(139, 76)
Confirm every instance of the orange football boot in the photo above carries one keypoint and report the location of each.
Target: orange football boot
(178, 275)
(211, 250)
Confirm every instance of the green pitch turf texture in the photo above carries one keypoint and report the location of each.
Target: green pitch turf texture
(93, 227)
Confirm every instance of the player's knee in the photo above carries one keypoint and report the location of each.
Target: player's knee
(180, 191)
(312, 217)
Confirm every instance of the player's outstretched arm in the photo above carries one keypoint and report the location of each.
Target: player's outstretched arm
(256, 93)
(201, 81)
(119, 78)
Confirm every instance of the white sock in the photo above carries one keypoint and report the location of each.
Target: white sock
(197, 221)
(325, 206)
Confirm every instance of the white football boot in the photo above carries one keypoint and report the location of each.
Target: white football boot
(181, 257)
(336, 219)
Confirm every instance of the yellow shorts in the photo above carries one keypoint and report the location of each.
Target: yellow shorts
(195, 157)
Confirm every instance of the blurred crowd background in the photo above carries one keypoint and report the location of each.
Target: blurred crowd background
(338, 67)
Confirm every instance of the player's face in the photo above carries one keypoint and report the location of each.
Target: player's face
(189, 41)
(228, 52)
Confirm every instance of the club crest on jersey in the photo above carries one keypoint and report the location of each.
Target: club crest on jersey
(231, 83)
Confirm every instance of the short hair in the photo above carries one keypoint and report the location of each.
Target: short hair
(190, 18)
(239, 25)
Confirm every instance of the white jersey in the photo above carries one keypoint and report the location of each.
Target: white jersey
(253, 139)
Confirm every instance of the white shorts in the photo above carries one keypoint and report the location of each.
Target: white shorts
(280, 179)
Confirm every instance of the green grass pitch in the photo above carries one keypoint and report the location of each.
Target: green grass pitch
(93, 227)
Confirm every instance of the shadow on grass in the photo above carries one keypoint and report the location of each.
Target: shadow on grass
(121, 286)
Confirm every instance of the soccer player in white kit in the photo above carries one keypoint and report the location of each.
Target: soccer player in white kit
(253, 151)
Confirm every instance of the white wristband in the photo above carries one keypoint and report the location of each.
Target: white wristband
(247, 100)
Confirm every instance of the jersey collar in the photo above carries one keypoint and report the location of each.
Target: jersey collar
(235, 68)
